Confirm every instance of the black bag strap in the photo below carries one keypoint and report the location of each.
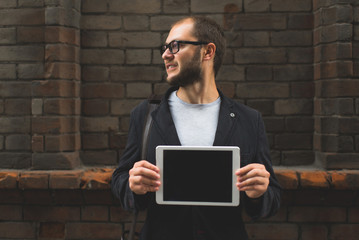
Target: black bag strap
(153, 103)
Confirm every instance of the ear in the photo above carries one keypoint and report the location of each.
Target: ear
(209, 51)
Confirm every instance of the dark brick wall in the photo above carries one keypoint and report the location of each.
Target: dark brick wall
(71, 71)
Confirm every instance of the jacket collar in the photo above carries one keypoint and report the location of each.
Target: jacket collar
(163, 121)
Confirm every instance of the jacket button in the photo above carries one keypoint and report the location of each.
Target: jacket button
(232, 115)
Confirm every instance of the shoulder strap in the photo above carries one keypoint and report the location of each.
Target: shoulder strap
(153, 103)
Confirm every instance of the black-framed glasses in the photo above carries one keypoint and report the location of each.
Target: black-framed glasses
(174, 46)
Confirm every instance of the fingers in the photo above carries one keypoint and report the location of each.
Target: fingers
(253, 179)
(144, 177)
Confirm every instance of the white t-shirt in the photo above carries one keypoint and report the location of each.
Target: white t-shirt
(196, 124)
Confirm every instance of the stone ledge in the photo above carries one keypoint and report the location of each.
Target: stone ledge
(99, 179)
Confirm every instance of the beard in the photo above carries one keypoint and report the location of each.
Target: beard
(190, 73)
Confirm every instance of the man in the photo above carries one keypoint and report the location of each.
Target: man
(194, 112)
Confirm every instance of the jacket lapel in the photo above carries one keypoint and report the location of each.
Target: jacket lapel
(163, 122)
(226, 122)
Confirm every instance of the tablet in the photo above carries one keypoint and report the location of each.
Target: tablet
(193, 175)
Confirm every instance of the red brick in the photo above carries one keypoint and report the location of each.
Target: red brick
(93, 231)
(55, 161)
(68, 197)
(314, 232)
(19, 142)
(10, 212)
(17, 230)
(297, 72)
(95, 213)
(11, 196)
(344, 231)
(150, 6)
(62, 52)
(347, 179)
(262, 90)
(18, 106)
(65, 179)
(49, 230)
(295, 158)
(51, 213)
(293, 141)
(125, 106)
(22, 16)
(288, 179)
(113, 90)
(93, 39)
(102, 56)
(117, 214)
(260, 55)
(99, 158)
(300, 21)
(353, 215)
(118, 140)
(314, 179)
(37, 196)
(21, 53)
(292, 38)
(30, 34)
(55, 125)
(15, 89)
(317, 214)
(55, 88)
(256, 5)
(294, 5)
(293, 107)
(98, 197)
(59, 34)
(63, 143)
(92, 6)
(95, 141)
(260, 21)
(58, 70)
(265, 107)
(62, 106)
(124, 74)
(302, 89)
(8, 180)
(259, 73)
(96, 107)
(95, 73)
(33, 180)
(278, 231)
(96, 179)
(37, 143)
(99, 124)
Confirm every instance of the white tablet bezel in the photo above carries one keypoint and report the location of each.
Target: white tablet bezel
(235, 165)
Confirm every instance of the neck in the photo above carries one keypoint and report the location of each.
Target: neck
(199, 93)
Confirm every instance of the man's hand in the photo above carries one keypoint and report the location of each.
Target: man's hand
(144, 177)
(253, 179)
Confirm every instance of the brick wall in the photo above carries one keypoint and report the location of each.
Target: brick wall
(316, 205)
(72, 70)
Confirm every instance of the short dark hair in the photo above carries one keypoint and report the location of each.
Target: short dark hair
(207, 30)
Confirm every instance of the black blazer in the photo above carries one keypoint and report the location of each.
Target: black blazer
(238, 125)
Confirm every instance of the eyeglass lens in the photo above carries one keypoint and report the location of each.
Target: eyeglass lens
(172, 46)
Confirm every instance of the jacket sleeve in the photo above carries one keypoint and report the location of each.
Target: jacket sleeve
(268, 204)
(120, 177)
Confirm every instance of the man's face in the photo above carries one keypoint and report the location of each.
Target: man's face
(184, 67)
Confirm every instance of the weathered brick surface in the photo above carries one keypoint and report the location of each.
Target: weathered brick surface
(72, 71)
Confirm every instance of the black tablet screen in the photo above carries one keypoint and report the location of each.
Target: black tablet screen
(197, 175)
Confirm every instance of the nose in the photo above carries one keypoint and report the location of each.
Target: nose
(167, 55)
